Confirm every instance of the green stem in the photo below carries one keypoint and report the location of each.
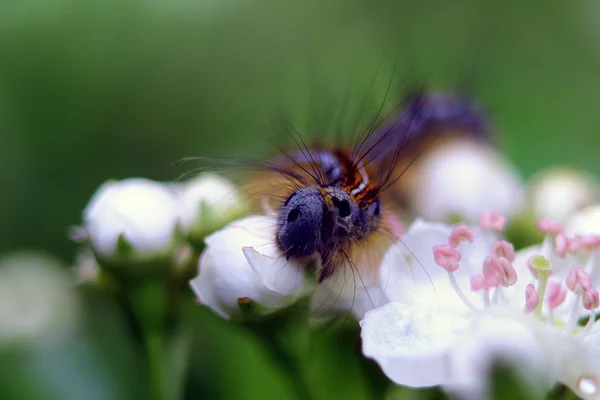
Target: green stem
(150, 303)
(295, 368)
(543, 282)
(179, 351)
(157, 366)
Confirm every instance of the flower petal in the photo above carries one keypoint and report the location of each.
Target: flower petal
(139, 210)
(411, 343)
(557, 192)
(278, 274)
(416, 247)
(465, 178)
(203, 286)
(584, 222)
(226, 275)
(578, 362)
(207, 194)
(329, 300)
(504, 336)
(410, 275)
(256, 231)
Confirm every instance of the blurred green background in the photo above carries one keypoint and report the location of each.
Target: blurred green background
(96, 90)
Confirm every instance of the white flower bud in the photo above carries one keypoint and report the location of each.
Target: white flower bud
(37, 299)
(465, 179)
(132, 219)
(207, 203)
(584, 222)
(242, 261)
(558, 192)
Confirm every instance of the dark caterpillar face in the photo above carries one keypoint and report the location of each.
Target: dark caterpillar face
(334, 214)
(323, 221)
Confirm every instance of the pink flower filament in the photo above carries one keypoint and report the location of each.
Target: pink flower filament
(460, 234)
(492, 221)
(446, 257)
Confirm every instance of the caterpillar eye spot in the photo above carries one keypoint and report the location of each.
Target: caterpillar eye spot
(343, 207)
(293, 215)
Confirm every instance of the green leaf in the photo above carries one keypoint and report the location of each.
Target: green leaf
(507, 385)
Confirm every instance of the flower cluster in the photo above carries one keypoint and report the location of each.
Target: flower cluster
(138, 220)
(448, 302)
(461, 299)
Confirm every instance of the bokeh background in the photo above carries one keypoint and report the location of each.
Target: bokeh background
(96, 90)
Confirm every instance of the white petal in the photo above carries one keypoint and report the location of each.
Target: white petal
(592, 339)
(499, 338)
(578, 362)
(557, 192)
(278, 274)
(253, 231)
(222, 281)
(329, 301)
(367, 299)
(226, 274)
(411, 343)
(410, 275)
(464, 178)
(141, 210)
(207, 192)
(417, 248)
(204, 287)
(540, 354)
(584, 222)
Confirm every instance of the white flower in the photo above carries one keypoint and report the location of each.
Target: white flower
(558, 192)
(242, 261)
(456, 308)
(37, 299)
(464, 179)
(207, 203)
(135, 211)
(585, 221)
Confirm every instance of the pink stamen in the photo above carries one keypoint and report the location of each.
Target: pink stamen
(576, 244)
(446, 257)
(556, 295)
(531, 298)
(478, 282)
(492, 220)
(461, 233)
(587, 243)
(493, 271)
(504, 249)
(563, 245)
(509, 274)
(590, 299)
(496, 271)
(578, 280)
(550, 227)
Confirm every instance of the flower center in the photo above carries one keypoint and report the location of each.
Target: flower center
(556, 291)
(543, 296)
